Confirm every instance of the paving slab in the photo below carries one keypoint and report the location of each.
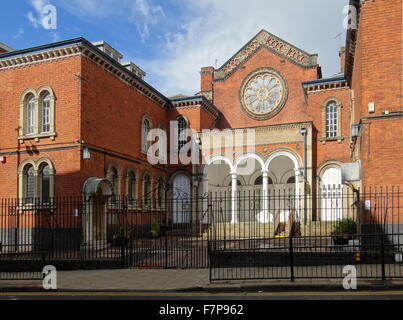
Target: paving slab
(137, 280)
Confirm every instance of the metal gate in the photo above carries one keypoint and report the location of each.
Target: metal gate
(161, 240)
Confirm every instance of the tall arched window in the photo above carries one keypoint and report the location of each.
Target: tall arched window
(146, 128)
(36, 181)
(147, 190)
(182, 126)
(114, 178)
(332, 120)
(161, 194)
(37, 114)
(44, 174)
(45, 113)
(29, 184)
(30, 115)
(131, 187)
(331, 194)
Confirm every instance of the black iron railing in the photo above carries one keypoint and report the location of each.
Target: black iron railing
(261, 236)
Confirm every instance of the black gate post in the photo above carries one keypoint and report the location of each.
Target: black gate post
(166, 247)
(125, 242)
(123, 254)
(383, 258)
(209, 259)
(291, 248)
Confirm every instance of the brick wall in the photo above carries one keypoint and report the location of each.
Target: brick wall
(378, 78)
(61, 76)
(226, 93)
(325, 151)
(378, 67)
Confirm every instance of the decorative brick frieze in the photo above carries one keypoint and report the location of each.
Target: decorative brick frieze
(274, 44)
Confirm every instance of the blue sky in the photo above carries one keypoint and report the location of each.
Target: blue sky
(172, 39)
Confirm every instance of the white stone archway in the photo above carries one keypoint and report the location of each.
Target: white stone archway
(96, 193)
(220, 176)
(181, 196)
(251, 202)
(296, 193)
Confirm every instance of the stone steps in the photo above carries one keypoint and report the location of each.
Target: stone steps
(243, 230)
(317, 228)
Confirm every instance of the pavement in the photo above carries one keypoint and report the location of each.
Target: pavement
(182, 281)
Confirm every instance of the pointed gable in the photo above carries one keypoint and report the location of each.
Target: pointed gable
(271, 42)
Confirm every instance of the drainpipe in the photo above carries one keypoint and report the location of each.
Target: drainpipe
(304, 132)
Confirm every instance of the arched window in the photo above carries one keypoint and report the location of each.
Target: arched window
(131, 187)
(30, 115)
(45, 113)
(37, 114)
(146, 128)
(29, 184)
(332, 120)
(36, 181)
(44, 174)
(114, 178)
(331, 194)
(238, 182)
(147, 190)
(161, 194)
(259, 181)
(182, 126)
(291, 180)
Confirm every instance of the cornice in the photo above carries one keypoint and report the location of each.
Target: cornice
(125, 76)
(22, 60)
(83, 48)
(326, 86)
(207, 94)
(276, 45)
(276, 127)
(197, 101)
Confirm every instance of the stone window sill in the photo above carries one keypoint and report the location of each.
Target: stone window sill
(37, 137)
(335, 139)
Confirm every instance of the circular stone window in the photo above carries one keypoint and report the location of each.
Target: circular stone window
(263, 94)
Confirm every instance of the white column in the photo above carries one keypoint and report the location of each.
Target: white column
(266, 194)
(234, 186)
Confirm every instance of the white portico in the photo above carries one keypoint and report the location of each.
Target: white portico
(250, 185)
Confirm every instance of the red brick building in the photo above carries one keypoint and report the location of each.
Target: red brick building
(73, 117)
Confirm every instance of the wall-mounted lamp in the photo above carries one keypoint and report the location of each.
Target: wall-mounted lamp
(86, 154)
(355, 130)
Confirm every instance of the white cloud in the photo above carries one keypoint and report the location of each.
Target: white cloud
(19, 33)
(144, 14)
(205, 31)
(217, 29)
(150, 16)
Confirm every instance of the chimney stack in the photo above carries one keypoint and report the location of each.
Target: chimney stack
(207, 79)
(342, 55)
